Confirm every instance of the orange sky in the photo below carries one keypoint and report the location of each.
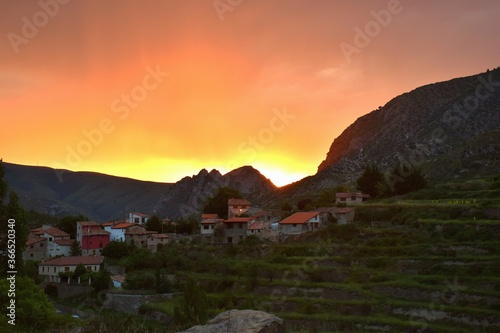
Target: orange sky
(157, 90)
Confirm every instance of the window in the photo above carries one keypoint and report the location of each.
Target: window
(89, 268)
(54, 269)
(353, 198)
(41, 245)
(66, 269)
(240, 225)
(50, 239)
(31, 255)
(342, 199)
(136, 220)
(31, 246)
(229, 226)
(43, 269)
(205, 227)
(294, 225)
(230, 240)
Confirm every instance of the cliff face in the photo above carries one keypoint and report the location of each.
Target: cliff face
(446, 122)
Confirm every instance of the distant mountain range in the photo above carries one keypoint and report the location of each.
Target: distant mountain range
(448, 129)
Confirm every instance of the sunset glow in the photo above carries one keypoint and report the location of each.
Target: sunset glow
(159, 90)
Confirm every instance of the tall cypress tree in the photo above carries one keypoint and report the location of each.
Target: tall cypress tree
(367, 182)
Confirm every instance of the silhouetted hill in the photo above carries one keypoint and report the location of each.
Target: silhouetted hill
(98, 196)
(188, 196)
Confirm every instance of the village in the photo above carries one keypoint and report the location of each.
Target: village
(54, 249)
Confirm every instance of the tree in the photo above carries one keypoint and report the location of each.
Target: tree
(367, 182)
(193, 306)
(117, 250)
(76, 249)
(68, 224)
(101, 281)
(218, 203)
(407, 180)
(13, 228)
(304, 204)
(79, 271)
(154, 224)
(34, 312)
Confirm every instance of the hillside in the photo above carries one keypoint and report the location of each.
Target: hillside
(97, 196)
(453, 124)
(412, 265)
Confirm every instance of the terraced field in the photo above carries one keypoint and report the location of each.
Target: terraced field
(415, 265)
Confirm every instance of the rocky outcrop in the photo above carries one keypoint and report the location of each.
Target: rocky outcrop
(241, 321)
(187, 196)
(447, 124)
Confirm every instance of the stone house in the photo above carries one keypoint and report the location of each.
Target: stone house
(138, 235)
(36, 248)
(207, 226)
(236, 207)
(350, 198)
(343, 215)
(235, 229)
(300, 223)
(138, 218)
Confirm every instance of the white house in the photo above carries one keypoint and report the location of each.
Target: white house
(300, 222)
(350, 198)
(50, 269)
(117, 230)
(55, 248)
(207, 226)
(138, 218)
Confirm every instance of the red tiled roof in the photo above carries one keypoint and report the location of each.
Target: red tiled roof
(211, 221)
(56, 232)
(94, 232)
(140, 214)
(37, 231)
(73, 261)
(87, 223)
(299, 218)
(139, 232)
(65, 242)
(34, 239)
(258, 226)
(125, 225)
(108, 224)
(209, 216)
(237, 220)
(238, 202)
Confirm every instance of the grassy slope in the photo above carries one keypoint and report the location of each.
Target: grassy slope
(412, 264)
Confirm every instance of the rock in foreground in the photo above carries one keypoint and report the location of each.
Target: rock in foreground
(241, 321)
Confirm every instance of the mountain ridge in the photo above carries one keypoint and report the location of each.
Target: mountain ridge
(449, 129)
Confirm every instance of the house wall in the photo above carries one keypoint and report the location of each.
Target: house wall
(234, 234)
(51, 273)
(37, 251)
(290, 229)
(117, 235)
(237, 210)
(59, 250)
(93, 244)
(209, 231)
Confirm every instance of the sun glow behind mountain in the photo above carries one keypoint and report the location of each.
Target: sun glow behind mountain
(159, 90)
